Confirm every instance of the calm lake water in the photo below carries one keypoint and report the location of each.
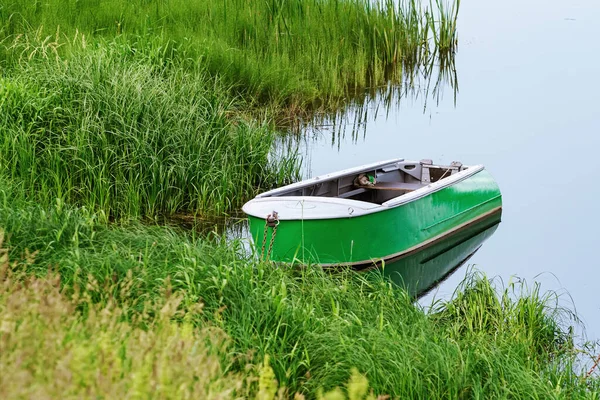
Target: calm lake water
(527, 108)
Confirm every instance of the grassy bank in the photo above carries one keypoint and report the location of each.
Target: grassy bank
(48, 349)
(292, 52)
(103, 355)
(315, 327)
(115, 132)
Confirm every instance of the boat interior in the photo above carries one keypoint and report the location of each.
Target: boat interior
(376, 184)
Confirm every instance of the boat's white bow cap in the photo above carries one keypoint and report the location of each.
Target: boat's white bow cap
(304, 207)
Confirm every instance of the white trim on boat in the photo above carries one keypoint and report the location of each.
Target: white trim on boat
(308, 207)
(434, 187)
(316, 207)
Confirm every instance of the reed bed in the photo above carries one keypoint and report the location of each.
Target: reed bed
(287, 52)
(116, 133)
(313, 326)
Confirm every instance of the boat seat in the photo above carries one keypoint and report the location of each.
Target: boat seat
(353, 192)
(407, 187)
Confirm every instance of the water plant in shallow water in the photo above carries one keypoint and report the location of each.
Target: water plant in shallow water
(290, 52)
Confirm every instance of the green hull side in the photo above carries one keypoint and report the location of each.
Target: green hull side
(382, 234)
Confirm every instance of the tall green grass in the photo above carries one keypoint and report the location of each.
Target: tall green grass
(486, 342)
(290, 52)
(49, 348)
(115, 132)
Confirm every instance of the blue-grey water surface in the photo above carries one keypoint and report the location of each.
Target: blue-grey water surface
(527, 108)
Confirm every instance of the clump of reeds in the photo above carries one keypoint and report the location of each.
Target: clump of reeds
(118, 133)
(290, 52)
(536, 319)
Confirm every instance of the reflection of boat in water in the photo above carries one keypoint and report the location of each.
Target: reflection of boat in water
(423, 270)
(363, 215)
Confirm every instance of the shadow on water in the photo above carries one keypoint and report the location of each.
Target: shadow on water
(422, 271)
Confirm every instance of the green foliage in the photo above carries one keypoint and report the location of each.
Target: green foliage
(149, 107)
(267, 384)
(48, 349)
(314, 326)
(477, 309)
(291, 52)
(114, 132)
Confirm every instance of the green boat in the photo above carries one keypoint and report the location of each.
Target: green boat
(374, 213)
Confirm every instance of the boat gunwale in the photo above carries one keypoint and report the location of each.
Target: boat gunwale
(434, 187)
(356, 208)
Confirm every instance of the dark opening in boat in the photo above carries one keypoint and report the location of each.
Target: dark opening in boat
(375, 185)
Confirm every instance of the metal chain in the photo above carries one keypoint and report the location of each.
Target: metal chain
(271, 221)
(262, 251)
(272, 240)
